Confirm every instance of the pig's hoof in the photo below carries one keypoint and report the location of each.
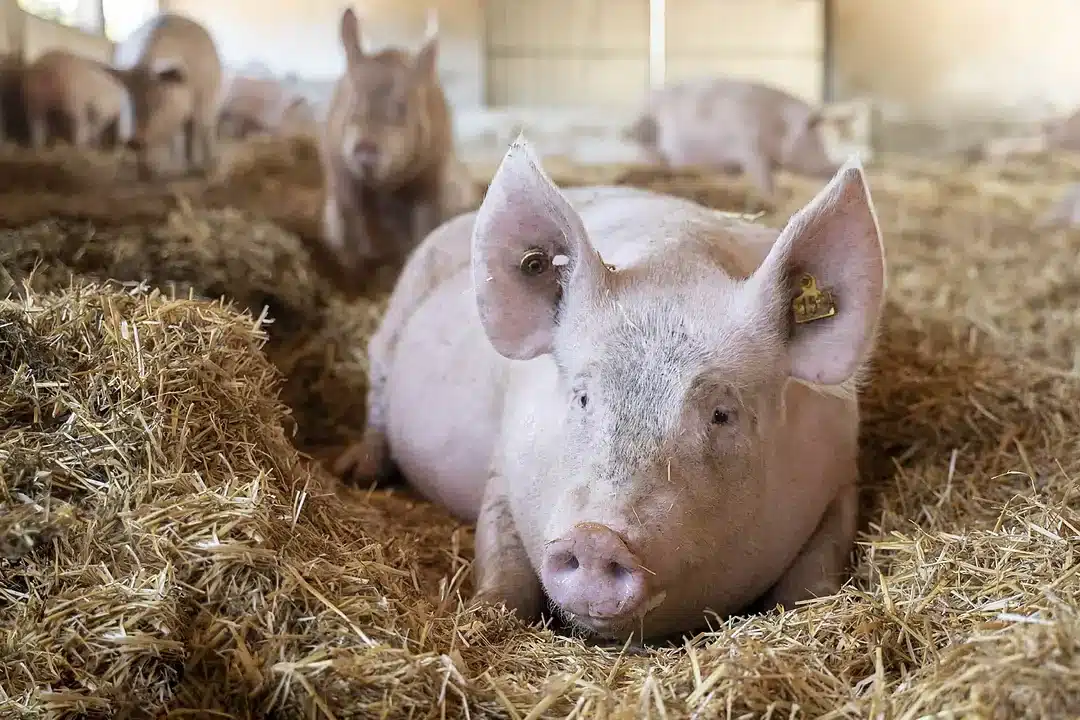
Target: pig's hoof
(364, 463)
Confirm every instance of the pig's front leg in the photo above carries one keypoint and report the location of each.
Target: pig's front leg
(502, 570)
(819, 568)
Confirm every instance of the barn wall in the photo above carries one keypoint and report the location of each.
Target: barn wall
(302, 37)
(960, 60)
(780, 42)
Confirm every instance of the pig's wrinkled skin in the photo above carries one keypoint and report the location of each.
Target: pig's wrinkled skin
(733, 126)
(387, 148)
(173, 72)
(645, 444)
(80, 90)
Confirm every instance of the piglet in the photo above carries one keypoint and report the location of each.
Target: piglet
(649, 408)
(254, 105)
(173, 72)
(80, 91)
(731, 125)
(387, 150)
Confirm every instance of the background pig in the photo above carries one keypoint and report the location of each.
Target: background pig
(733, 126)
(13, 125)
(387, 150)
(1062, 213)
(77, 98)
(173, 73)
(263, 105)
(641, 442)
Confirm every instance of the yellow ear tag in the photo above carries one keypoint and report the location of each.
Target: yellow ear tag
(812, 303)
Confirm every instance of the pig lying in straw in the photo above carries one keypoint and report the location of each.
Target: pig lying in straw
(645, 441)
(733, 126)
(387, 151)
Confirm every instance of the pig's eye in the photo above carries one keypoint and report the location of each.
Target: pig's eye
(582, 400)
(721, 417)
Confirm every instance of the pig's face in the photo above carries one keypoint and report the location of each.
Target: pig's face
(384, 127)
(670, 415)
(804, 148)
(161, 101)
(671, 376)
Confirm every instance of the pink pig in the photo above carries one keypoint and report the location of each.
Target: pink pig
(733, 126)
(610, 383)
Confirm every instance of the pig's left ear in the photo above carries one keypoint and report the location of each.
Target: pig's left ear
(169, 71)
(529, 245)
(427, 58)
(834, 241)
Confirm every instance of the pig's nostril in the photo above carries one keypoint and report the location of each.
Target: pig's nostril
(617, 571)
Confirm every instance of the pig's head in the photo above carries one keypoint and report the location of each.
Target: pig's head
(161, 101)
(386, 129)
(804, 147)
(653, 494)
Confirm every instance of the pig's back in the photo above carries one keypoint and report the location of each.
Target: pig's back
(719, 121)
(172, 36)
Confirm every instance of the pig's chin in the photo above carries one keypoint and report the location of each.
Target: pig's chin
(611, 628)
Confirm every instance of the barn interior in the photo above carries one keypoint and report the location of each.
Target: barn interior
(184, 360)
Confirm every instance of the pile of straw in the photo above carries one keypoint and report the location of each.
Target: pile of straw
(165, 547)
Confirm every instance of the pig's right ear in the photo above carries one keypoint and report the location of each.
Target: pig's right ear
(833, 245)
(529, 245)
(350, 36)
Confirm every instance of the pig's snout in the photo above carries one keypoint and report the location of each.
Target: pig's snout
(592, 573)
(366, 153)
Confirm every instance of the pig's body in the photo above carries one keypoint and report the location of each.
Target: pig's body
(391, 171)
(263, 105)
(1063, 212)
(62, 88)
(173, 73)
(733, 126)
(473, 394)
(13, 124)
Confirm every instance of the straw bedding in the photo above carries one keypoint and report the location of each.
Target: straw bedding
(165, 547)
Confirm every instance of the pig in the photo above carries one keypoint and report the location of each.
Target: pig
(173, 72)
(731, 125)
(387, 153)
(611, 383)
(62, 88)
(13, 123)
(262, 105)
(1062, 213)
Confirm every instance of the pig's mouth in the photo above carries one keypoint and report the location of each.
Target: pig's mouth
(611, 626)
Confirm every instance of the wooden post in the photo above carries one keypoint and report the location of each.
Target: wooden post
(657, 43)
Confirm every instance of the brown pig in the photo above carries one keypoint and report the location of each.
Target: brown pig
(388, 156)
(731, 125)
(13, 124)
(173, 72)
(75, 97)
(622, 390)
(263, 105)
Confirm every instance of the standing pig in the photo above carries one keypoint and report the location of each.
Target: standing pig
(387, 152)
(733, 126)
(13, 125)
(647, 441)
(79, 92)
(173, 73)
